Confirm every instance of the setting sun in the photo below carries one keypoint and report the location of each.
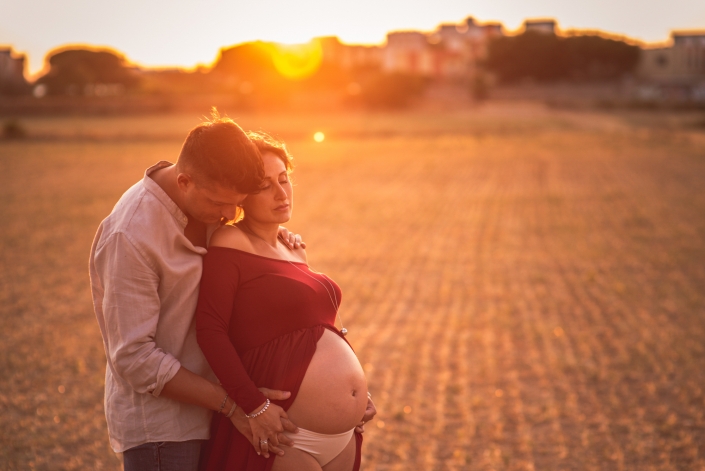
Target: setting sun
(319, 136)
(297, 61)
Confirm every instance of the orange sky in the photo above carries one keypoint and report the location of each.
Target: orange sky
(189, 32)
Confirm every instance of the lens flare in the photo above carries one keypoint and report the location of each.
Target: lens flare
(298, 61)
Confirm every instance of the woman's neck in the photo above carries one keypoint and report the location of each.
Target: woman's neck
(266, 232)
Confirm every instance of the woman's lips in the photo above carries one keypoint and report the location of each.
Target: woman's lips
(283, 207)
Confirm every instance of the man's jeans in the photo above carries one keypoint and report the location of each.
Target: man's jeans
(163, 456)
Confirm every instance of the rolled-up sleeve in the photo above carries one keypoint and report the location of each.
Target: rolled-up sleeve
(131, 308)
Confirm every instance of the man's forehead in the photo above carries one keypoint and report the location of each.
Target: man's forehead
(222, 193)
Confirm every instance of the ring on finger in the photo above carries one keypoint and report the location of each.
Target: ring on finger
(263, 442)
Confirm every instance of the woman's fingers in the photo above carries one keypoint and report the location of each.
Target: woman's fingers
(291, 240)
(256, 445)
(264, 447)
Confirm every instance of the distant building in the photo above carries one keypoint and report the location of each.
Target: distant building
(682, 63)
(452, 51)
(407, 52)
(350, 56)
(546, 26)
(12, 71)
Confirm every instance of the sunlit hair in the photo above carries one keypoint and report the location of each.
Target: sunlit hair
(219, 151)
(266, 143)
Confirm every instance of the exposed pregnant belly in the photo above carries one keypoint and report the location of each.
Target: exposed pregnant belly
(333, 394)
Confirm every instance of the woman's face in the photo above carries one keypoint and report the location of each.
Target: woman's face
(275, 201)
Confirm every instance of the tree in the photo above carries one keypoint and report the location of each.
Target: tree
(73, 70)
(547, 57)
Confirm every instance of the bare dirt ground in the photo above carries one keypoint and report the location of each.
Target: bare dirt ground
(525, 288)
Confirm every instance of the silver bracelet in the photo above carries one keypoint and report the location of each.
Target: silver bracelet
(232, 411)
(260, 412)
(222, 404)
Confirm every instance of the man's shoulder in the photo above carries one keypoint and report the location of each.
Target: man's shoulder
(138, 215)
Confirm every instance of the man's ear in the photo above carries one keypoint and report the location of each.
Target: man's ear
(184, 181)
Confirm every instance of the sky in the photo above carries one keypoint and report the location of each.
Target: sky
(164, 33)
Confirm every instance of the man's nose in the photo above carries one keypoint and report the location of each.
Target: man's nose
(229, 212)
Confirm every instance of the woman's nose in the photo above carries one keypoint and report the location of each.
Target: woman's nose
(281, 194)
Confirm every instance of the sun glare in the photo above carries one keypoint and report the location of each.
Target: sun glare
(298, 61)
(319, 136)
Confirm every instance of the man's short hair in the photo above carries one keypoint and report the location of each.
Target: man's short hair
(218, 151)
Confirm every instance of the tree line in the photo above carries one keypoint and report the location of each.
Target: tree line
(249, 72)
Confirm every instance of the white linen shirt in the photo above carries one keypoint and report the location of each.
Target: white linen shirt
(144, 276)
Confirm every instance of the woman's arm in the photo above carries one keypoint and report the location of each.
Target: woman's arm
(215, 304)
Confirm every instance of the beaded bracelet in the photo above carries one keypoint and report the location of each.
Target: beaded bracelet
(222, 404)
(232, 411)
(261, 411)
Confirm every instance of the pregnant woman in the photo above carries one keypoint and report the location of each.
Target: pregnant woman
(266, 319)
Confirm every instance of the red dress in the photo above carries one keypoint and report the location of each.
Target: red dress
(258, 321)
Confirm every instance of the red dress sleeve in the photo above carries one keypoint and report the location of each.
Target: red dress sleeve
(219, 284)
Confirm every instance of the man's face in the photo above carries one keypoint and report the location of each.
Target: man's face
(208, 204)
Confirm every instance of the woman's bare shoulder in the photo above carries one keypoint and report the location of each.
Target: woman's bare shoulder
(231, 237)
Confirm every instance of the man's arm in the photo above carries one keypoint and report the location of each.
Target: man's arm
(130, 311)
(131, 308)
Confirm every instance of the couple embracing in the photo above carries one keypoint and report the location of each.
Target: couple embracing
(221, 345)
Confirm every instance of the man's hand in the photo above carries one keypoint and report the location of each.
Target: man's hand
(291, 240)
(370, 412)
(242, 423)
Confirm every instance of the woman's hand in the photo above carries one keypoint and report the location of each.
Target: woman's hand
(242, 423)
(370, 412)
(266, 428)
(291, 240)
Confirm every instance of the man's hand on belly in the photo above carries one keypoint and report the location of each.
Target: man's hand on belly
(370, 412)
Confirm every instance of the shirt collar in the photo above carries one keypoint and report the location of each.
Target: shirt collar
(161, 195)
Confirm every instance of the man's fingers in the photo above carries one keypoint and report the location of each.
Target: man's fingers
(274, 394)
(276, 450)
(273, 441)
(289, 426)
(284, 440)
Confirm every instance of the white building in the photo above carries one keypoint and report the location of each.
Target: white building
(546, 26)
(681, 63)
(451, 51)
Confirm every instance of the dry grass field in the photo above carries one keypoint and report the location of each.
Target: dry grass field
(524, 287)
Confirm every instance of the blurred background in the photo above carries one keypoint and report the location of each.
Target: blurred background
(510, 196)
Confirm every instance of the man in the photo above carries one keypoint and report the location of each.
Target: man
(145, 268)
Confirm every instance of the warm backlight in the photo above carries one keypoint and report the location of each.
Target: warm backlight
(319, 136)
(298, 61)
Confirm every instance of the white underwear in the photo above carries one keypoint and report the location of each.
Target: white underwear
(321, 446)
